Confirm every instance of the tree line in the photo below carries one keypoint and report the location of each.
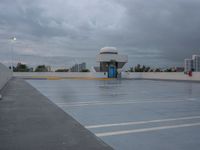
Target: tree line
(143, 68)
(43, 68)
(40, 68)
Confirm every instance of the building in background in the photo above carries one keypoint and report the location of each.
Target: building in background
(48, 68)
(78, 67)
(196, 62)
(110, 61)
(179, 69)
(188, 65)
(192, 64)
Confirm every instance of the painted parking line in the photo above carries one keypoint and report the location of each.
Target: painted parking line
(141, 122)
(70, 103)
(76, 102)
(120, 103)
(105, 134)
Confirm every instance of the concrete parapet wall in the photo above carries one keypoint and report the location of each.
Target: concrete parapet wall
(5, 75)
(162, 76)
(127, 75)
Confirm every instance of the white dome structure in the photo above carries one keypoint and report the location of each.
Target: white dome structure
(108, 50)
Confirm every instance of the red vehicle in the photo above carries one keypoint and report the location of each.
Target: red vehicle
(190, 73)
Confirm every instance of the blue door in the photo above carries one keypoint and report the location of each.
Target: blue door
(111, 72)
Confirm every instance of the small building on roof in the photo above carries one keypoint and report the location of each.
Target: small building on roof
(110, 61)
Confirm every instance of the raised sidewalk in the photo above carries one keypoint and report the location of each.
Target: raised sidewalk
(29, 121)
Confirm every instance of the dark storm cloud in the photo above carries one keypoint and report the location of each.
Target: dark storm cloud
(148, 31)
(168, 26)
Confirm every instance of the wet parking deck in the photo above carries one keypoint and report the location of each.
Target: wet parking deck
(132, 114)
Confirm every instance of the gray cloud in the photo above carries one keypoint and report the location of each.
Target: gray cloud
(150, 32)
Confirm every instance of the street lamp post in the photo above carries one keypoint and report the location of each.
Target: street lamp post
(12, 39)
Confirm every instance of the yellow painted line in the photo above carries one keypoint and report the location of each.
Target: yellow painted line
(54, 78)
(86, 78)
(60, 78)
(45, 77)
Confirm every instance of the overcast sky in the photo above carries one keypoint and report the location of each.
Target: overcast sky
(154, 32)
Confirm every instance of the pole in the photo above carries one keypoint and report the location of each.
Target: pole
(11, 56)
(13, 39)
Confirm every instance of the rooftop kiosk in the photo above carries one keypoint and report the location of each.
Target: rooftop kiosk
(111, 62)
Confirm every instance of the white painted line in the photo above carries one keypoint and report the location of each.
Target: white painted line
(100, 101)
(105, 134)
(121, 103)
(84, 102)
(141, 122)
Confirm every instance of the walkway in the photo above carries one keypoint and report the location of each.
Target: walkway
(29, 121)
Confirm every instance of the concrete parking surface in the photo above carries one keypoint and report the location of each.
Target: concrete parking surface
(132, 114)
(30, 121)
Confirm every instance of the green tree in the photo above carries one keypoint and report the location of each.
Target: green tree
(137, 68)
(158, 70)
(41, 68)
(168, 70)
(85, 70)
(62, 70)
(21, 68)
(147, 69)
(132, 69)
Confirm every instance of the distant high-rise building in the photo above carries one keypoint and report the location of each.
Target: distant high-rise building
(48, 68)
(78, 67)
(192, 64)
(196, 62)
(188, 65)
(82, 66)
